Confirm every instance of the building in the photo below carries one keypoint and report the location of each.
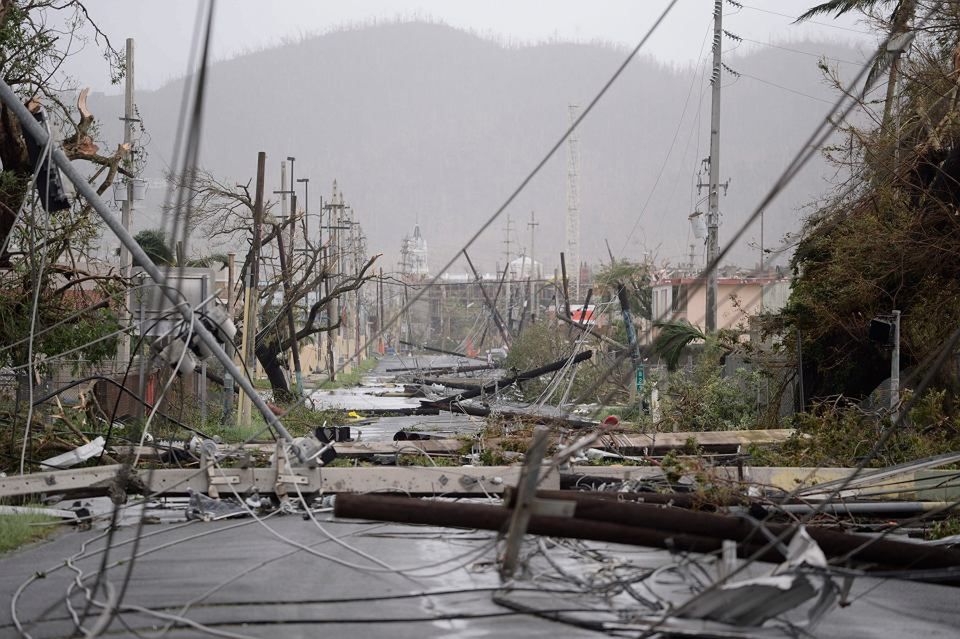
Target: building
(685, 298)
(413, 256)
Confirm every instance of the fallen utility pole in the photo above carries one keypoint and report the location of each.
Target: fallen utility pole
(83, 187)
(436, 350)
(486, 517)
(443, 369)
(509, 381)
(476, 409)
(451, 383)
(646, 525)
(589, 331)
(102, 480)
(692, 501)
(486, 300)
(834, 544)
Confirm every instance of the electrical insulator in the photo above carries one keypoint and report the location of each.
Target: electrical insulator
(177, 352)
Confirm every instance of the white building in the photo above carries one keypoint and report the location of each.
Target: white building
(522, 267)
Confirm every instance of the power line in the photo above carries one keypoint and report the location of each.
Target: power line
(533, 173)
(673, 143)
(806, 53)
(780, 86)
(794, 20)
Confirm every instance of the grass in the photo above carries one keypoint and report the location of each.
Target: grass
(353, 377)
(17, 530)
(409, 459)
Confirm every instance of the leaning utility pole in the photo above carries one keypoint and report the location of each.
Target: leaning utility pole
(713, 214)
(250, 321)
(506, 304)
(126, 264)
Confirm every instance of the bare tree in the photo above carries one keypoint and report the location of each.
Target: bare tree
(224, 213)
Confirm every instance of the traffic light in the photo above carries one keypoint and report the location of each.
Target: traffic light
(881, 330)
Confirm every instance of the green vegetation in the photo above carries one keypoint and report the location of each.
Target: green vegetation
(887, 238)
(634, 277)
(841, 434)
(702, 398)
(36, 40)
(422, 459)
(156, 245)
(541, 343)
(944, 528)
(352, 378)
(17, 530)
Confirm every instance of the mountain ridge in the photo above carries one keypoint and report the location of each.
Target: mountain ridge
(420, 121)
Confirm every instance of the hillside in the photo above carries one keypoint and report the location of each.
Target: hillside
(424, 122)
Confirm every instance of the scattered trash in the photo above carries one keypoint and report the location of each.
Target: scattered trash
(204, 508)
(77, 455)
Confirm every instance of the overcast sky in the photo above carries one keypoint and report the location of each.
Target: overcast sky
(163, 29)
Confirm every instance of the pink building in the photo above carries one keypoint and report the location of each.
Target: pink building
(685, 298)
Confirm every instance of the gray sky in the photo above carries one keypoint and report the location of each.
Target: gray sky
(163, 29)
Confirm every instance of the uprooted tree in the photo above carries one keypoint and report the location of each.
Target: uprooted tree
(45, 237)
(224, 214)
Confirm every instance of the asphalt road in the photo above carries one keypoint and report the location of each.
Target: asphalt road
(244, 579)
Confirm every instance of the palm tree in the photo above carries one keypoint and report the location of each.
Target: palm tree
(899, 17)
(673, 338)
(154, 244)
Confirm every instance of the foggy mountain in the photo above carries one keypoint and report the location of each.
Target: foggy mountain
(423, 122)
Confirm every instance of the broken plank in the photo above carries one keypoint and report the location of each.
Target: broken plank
(636, 443)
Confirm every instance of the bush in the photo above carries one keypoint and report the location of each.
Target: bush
(840, 434)
(701, 398)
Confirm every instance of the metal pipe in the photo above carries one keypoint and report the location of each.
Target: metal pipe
(10, 99)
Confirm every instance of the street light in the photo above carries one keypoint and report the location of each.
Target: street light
(306, 194)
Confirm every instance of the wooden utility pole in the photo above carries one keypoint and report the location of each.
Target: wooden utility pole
(380, 348)
(126, 211)
(227, 418)
(533, 224)
(253, 274)
(333, 266)
(288, 302)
